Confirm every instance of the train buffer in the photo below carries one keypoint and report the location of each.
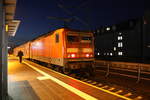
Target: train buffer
(30, 81)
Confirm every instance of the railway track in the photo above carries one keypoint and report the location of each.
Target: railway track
(132, 70)
(102, 83)
(121, 82)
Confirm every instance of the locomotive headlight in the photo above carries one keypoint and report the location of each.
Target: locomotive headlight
(73, 55)
(87, 55)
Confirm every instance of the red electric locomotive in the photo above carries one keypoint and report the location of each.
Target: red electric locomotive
(64, 48)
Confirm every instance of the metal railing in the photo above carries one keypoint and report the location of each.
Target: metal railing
(138, 68)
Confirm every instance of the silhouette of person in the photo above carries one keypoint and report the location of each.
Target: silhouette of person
(20, 54)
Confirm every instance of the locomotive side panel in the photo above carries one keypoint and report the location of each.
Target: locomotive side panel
(49, 48)
(38, 50)
(57, 47)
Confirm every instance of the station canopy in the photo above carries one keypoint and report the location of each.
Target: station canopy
(11, 24)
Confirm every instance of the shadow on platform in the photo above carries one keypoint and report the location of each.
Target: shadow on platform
(21, 90)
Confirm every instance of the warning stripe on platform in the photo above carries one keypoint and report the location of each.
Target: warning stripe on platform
(70, 88)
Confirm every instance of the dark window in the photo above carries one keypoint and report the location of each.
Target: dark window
(73, 38)
(87, 38)
(57, 38)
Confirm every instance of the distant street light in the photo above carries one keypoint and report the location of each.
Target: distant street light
(8, 47)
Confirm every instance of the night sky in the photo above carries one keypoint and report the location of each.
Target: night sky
(87, 14)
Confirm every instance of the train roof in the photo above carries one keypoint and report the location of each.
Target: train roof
(51, 32)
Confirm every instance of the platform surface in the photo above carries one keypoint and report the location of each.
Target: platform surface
(30, 81)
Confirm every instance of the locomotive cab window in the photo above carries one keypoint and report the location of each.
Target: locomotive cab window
(72, 38)
(86, 39)
(57, 38)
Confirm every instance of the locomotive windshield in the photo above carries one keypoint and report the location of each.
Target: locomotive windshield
(84, 39)
(73, 38)
(87, 38)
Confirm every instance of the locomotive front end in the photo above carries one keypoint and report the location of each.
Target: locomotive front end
(79, 52)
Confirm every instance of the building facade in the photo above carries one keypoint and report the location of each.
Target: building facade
(126, 41)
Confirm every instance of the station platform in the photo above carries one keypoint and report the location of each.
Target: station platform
(30, 81)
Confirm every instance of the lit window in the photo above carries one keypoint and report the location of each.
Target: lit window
(114, 48)
(108, 28)
(120, 44)
(104, 53)
(98, 53)
(107, 53)
(120, 33)
(120, 53)
(111, 54)
(119, 37)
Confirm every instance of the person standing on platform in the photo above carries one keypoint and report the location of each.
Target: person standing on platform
(20, 54)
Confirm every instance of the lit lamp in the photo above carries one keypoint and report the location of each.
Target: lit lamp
(8, 47)
(108, 28)
(114, 48)
(6, 28)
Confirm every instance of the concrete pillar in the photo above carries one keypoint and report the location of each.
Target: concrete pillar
(5, 66)
(3, 54)
(1, 32)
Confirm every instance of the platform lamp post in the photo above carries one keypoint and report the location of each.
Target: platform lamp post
(1, 33)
